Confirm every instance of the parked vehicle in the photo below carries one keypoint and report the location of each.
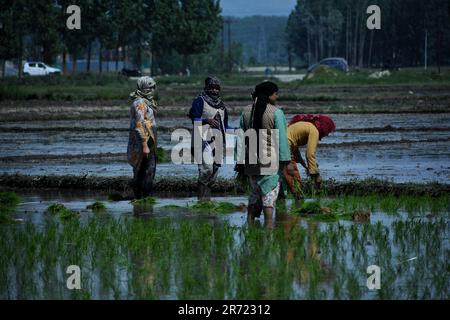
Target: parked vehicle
(39, 69)
(337, 63)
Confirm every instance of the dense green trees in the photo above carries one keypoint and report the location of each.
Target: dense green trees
(320, 28)
(131, 29)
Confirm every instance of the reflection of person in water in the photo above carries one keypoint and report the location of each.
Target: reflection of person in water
(306, 264)
(142, 138)
(305, 130)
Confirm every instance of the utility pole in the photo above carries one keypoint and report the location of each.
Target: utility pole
(426, 49)
(228, 21)
(222, 46)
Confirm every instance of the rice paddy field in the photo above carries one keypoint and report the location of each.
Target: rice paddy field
(65, 199)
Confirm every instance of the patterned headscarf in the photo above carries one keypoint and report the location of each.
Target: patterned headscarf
(146, 87)
(213, 100)
(324, 124)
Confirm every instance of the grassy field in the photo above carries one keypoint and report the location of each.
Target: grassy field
(173, 89)
(85, 97)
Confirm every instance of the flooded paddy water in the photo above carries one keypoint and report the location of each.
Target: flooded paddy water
(396, 147)
(168, 250)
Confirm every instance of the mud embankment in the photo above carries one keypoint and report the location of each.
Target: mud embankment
(166, 129)
(180, 185)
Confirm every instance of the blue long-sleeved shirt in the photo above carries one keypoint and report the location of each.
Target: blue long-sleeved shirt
(197, 110)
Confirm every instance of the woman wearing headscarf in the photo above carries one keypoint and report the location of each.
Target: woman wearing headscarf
(142, 137)
(305, 130)
(210, 112)
(266, 119)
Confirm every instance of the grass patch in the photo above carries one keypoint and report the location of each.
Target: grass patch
(160, 155)
(148, 201)
(8, 204)
(328, 76)
(315, 211)
(238, 263)
(8, 200)
(84, 87)
(332, 217)
(62, 212)
(214, 207)
(310, 207)
(97, 207)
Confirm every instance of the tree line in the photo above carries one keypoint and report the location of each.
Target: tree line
(410, 30)
(126, 29)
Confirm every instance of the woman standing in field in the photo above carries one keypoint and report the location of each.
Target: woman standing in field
(305, 130)
(209, 111)
(263, 116)
(142, 138)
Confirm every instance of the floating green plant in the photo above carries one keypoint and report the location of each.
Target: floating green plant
(97, 207)
(309, 207)
(56, 208)
(63, 212)
(215, 207)
(148, 201)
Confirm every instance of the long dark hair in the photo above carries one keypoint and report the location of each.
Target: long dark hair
(260, 100)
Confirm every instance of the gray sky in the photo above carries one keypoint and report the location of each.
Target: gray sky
(242, 8)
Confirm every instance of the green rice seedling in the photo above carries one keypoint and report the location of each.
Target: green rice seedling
(62, 211)
(226, 207)
(214, 207)
(56, 208)
(310, 207)
(5, 218)
(9, 200)
(160, 155)
(332, 217)
(97, 207)
(390, 204)
(8, 203)
(148, 201)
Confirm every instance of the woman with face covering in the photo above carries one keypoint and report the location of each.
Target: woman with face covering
(210, 118)
(142, 137)
(264, 175)
(305, 130)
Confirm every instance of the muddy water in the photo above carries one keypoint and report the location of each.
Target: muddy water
(343, 121)
(413, 153)
(412, 162)
(131, 252)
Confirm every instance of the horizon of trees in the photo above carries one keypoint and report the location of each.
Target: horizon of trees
(173, 35)
(126, 30)
(319, 29)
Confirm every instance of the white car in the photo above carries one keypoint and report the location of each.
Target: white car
(39, 69)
